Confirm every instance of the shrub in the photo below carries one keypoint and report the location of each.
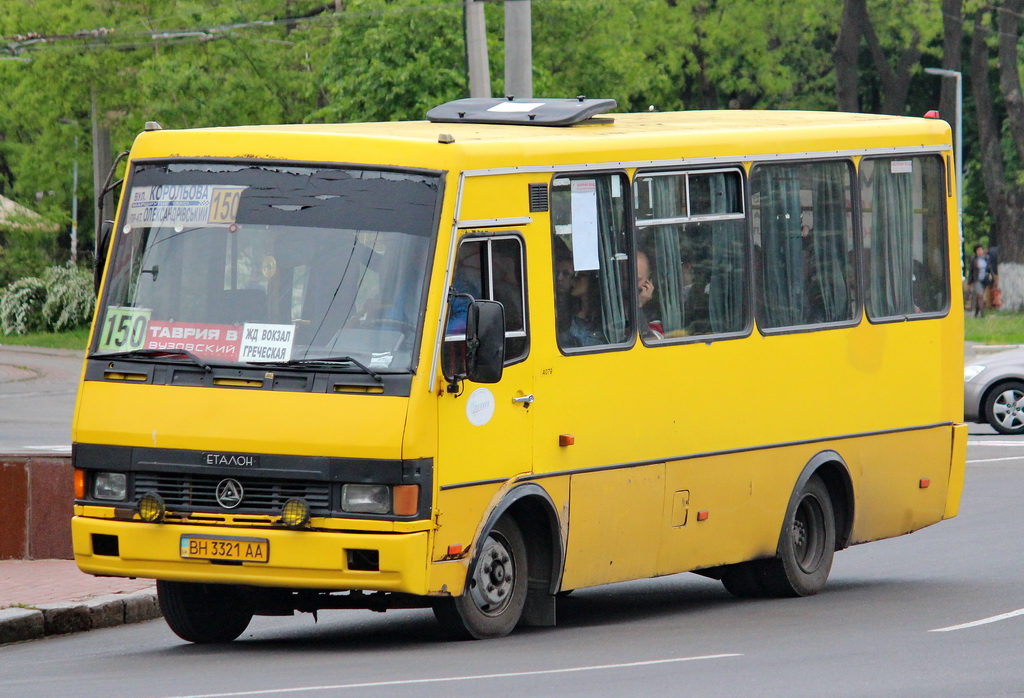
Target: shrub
(21, 307)
(70, 298)
(60, 301)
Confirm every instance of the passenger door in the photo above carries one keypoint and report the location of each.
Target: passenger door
(485, 431)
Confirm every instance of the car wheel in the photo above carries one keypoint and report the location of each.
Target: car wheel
(495, 594)
(1004, 408)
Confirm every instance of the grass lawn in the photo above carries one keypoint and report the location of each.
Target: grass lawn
(995, 328)
(76, 339)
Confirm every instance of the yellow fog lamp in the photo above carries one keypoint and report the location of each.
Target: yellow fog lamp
(151, 508)
(295, 513)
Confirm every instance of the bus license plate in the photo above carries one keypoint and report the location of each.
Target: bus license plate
(225, 548)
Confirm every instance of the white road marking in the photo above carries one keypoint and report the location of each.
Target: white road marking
(983, 621)
(477, 677)
(994, 460)
(62, 448)
(1018, 444)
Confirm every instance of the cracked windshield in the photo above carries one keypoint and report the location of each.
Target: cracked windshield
(241, 264)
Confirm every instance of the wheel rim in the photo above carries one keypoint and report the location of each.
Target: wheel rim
(494, 578)
(1008, 409)
(808, 534)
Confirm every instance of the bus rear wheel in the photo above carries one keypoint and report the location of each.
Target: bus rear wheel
(204, 613)
(492, 602)
(807, 546)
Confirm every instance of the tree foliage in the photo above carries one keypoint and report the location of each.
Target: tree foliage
(186, 63)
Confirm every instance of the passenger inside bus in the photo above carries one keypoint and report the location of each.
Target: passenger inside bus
(650, 327)
(585, 326)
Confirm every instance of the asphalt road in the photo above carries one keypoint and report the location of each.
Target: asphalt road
(37, 398)
(936, 613)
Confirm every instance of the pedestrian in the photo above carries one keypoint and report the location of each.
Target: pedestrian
(979, 277)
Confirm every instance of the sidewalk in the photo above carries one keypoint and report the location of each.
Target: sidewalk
(52, 597)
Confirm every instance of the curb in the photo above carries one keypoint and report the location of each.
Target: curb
(35, 622)
(994, 348)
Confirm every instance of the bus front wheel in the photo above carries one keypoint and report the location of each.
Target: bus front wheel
(204, 613)
(492, 602)
(807, 545)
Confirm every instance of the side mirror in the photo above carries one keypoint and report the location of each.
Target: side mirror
(485, 341)
(102, 243)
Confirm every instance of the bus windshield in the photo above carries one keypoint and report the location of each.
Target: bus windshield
(256, 264)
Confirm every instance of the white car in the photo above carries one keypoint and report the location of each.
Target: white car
(994, 391)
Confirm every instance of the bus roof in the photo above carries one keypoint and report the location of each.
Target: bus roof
(648, 136)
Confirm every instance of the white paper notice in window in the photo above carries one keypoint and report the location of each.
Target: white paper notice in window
(584, 225)
(901, 166)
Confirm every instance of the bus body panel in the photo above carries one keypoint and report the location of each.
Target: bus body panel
(241, 420)
(300, 559)
(658, 459)
(957, 471)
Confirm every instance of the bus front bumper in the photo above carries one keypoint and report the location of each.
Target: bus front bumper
(393, 562)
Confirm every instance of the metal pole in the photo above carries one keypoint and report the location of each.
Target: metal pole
(958, 145)
(476, 50)
(518, 49)
(74, 206)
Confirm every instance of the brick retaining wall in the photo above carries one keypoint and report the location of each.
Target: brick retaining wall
(36, 504)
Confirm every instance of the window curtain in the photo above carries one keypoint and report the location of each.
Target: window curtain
(669, 284)
(829, 250)
(890, 252)
(728, 258)
(612, 278)
(782, 267)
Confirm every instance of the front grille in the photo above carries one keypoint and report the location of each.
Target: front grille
(184, 493)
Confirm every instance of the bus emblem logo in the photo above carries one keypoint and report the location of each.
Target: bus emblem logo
(229, 493)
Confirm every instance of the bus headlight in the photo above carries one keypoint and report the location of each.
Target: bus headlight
(366, 499)
(111, 486)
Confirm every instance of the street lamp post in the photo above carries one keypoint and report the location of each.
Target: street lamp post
(74, 206)
(958, 145)
(74, 196)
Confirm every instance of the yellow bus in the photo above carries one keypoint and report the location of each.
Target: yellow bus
(519, 348)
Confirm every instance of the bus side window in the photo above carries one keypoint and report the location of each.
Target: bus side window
(804, 244)
(903, 213)
(693, 247)
(489, 268)
(594, 271)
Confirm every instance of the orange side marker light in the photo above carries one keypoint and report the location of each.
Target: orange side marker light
(566, 439)
(924, 483)
(702, 515)
(405, 499)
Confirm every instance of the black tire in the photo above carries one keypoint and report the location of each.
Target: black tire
(807, 546)
(492, 602)
(204, 613)
(1004, 408)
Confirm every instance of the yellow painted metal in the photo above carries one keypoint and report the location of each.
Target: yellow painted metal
(241, 420)
(889, 468)
(957, 470)
(731, 423)
(306, 559)
(615, 517)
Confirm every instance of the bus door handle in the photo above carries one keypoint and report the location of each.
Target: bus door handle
(525, 400)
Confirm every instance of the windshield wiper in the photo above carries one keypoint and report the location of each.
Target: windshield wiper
(155, 353)
(326, 361)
